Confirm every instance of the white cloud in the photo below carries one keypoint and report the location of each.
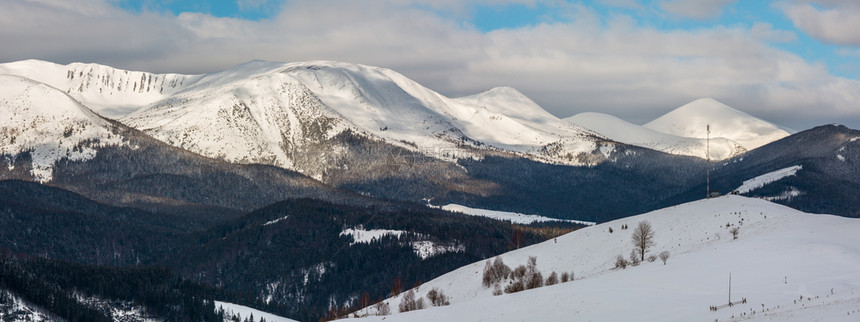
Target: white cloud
(695, 9)
(839, 23)
(587, 64)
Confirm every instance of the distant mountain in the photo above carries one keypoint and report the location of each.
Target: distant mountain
(49, 125)
(625, 132)
(691, 120)
(109, 91)
(51, 138)
(292, 116)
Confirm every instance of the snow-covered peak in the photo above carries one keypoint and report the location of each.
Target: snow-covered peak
(108, 91)
(511, 103)
(625, 132)
(267, 112)
(691, 120)
(49, 124)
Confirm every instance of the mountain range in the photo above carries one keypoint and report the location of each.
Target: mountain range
(220, 176)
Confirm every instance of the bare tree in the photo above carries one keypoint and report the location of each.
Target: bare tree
(410, 303)
(643, 238)
(664, 255)
(494, 272)
(437, 298)
(735, 231)
(382, 308)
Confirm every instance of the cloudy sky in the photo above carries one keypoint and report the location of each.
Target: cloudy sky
(793, 62)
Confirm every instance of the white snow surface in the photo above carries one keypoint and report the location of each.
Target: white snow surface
(770, 177)
(781, 254)
(691, 120)
(108, 91)
(422, 248)
(244, 312)
(513, 217)
(49, 124)
(628, 133)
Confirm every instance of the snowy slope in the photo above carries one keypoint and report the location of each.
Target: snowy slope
(513, 217)
(244, 312)
(275, 113)
(781, 254)
(691, 120)
(762, 180)
(46, 122)
(625, 132)
(108, 91)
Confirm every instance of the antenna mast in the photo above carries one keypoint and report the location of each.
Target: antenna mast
(708, 164)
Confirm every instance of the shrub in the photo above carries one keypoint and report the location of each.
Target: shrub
(534, 280)
(735, 231)
(497, 290)
(552, 279)
(495, 272)
(652, 258)
(410, 303)
(437, 298)
(664, 255)
(620, 262)
(518, 272)
(382, 308)
(515, 286)
(565, 277)
(634, 258)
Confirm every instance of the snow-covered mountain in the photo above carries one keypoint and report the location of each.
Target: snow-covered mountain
(629, 133)
(49, 124)
(289, 114)
(691, 120)
(787, 265)
(108, 91)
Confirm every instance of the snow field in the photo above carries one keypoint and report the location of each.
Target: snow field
(776, 244)
(770, 177)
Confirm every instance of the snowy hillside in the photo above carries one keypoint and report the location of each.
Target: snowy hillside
(108, 91)
(287, 115)
(48, 124)
(788, 265)
(625, 132)
(692, 119)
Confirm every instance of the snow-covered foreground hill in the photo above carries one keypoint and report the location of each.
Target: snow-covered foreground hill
(788, 265)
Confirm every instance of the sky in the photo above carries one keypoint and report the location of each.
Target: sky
(792, 62)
